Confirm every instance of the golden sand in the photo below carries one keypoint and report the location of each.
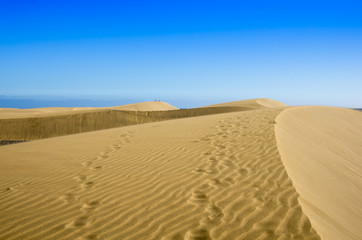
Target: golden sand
(216, 176)
(321, 148)
(11, 113)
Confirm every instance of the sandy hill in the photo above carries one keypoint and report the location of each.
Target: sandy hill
(39, 123)
(252, 103)
(147, 106)
(266, 173)
(321, 148)
(31, 124)
(10, 113)
(207, 177)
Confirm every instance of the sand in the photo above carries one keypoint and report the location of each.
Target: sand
(40, 123)
(254, 103)
(216, 176)
(34, 128)
(11, 113)
(321, 148)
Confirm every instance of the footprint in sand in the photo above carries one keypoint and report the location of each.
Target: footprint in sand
(214, 182)
(212, 159)
(198, 198)
(206, 153)
(116, 146)
(80, 178)
(103, 154)
(95, 168)
(87, 185)
(230, 180)
(90, 206)
(68, 197)
(78, 223)
(198, 234)
(242, 171)
(88, 237)
(198, 170)
(214, 213)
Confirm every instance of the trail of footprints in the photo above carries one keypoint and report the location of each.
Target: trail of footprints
(246, 193)
(91, 168)
(247, 186)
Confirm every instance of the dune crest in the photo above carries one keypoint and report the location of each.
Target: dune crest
(7, 113)
(270, 103)
(252, 103)
(52, 126)
(321, 148)
(147, 106)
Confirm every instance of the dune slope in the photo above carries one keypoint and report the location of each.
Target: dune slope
(321, 148)
(207, 177)
(39, 123)
(60, 125)
(11, 113)
(147, 106)
(254, 103)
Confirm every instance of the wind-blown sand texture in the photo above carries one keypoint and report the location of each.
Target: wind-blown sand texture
(216, 176)
(321, 148)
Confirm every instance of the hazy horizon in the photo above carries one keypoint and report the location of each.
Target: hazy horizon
(187, 53)
(27, 102)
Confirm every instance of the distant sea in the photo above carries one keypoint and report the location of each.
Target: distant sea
(24, 103)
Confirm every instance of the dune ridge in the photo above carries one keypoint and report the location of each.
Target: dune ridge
(52, 126)
(208, 177)
(32, 124)
(11, 113)
(321, 150)
(254, 103)
(147, 106)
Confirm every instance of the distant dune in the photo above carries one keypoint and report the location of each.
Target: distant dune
(147, 106)
(254, 169)
(253, 103)
(31, 124)
(9, 113)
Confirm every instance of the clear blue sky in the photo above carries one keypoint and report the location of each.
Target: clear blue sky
(188, 53)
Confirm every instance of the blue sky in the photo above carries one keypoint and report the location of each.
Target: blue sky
(188, 53)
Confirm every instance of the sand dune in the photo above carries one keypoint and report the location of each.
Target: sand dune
(253, 103)
(10, 113)
(52, 126)
(207, 177)
(321, 148)
(200, 176)
(31, 124)
(147, 106)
